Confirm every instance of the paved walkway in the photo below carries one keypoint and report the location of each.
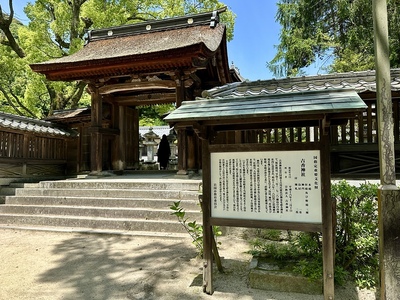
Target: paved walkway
(42, 265)
(45, 265)
(145, 175)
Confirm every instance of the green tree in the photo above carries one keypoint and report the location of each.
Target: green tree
(340, 31)
(58, 28)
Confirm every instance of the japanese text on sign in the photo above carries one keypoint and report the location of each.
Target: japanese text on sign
(272, 186)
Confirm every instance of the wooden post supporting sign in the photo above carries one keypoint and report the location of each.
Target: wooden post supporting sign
(207, 227)
(280, 186)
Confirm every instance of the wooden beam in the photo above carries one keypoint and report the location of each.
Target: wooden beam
(310, 227)
(145, 99)
(263, 147)
(137, 86)
(106, 131)
(264, 125)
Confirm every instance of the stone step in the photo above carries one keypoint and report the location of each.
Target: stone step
(105, 205)
(7, 190)
(33, 179)
(113, 193)
(156, 185)
(155, 233)
(102, 202)
(10, 189)
(92, 223)
(103, 212)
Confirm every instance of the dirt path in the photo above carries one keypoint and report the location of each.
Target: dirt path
(69, 266)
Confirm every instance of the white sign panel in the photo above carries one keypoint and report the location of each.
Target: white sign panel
(271, 186)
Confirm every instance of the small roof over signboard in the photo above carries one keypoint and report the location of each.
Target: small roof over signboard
(270, 108)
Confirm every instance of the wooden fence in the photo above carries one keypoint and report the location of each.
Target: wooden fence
(354, 144)
(25, 154)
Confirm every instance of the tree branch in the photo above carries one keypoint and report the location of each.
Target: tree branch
(10, 102)
(5, 24)
(77, 95)
(22, 105)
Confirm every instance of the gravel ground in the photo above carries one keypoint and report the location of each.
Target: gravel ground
(69, 266)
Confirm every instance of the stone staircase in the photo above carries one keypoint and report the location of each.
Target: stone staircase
(9, 190)
(125, 206)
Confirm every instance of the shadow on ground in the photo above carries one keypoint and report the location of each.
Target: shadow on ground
(45, 265)
(115, 267)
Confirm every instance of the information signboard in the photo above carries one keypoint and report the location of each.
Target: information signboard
(266, 185)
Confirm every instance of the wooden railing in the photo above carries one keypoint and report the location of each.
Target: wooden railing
(289, 135)
(364, 129)
(23, 154)
(354, 145)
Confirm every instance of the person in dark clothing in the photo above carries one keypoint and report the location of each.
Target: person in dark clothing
(163, 153)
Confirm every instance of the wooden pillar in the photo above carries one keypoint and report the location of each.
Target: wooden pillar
(119, 122)
(135, 132)
(182, 151)
(25, 154)
(207, 227)
(328, 246)
(182, 133)
(199, 156)
(79, 150)
(388, 194)
(238, 137)
(96, 142)
(191, 150)
(180, 89)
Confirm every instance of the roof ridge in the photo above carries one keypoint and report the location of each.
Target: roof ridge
(359, 80)
(204, 18)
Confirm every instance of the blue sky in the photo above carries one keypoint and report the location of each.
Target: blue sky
(255, 36)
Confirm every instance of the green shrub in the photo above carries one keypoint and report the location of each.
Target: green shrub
(194, 229)
(356, 254)
(357, 231)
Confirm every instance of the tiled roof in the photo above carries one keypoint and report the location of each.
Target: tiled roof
(307, 103)
(131, 50)
(359, 81)
(132, 45)
(32, 125)
(159, 130)
(70, 115)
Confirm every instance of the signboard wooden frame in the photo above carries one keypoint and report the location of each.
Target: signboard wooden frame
(240, 111)
(282, 186)
(326, 226)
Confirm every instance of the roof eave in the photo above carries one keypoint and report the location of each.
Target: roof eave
(345, 103)
(149, 62)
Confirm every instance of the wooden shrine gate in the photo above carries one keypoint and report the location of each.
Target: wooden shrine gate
(127, 67)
